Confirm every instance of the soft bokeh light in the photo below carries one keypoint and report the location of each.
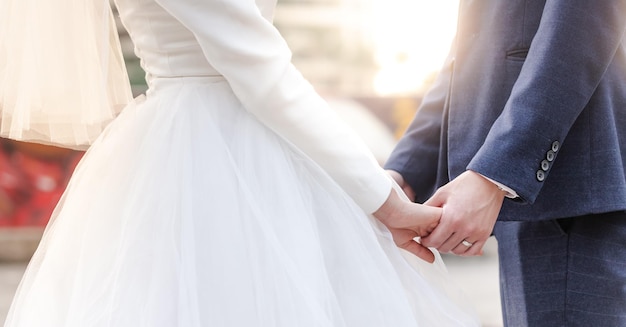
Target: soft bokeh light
(412, 39)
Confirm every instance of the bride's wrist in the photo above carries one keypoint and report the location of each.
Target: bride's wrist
(389, 209)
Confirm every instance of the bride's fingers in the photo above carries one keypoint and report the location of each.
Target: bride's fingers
(420, 251)
(431, 215)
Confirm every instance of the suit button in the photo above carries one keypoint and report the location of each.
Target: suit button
(556, 146)
(550, 155)
(541, 175)
(545, 165)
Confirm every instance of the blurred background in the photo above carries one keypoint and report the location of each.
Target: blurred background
(373, 60)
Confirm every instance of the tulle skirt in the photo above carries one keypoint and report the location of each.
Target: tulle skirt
(189, 212)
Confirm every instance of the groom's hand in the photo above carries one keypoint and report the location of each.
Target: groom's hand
(406, 221)
(471, 204)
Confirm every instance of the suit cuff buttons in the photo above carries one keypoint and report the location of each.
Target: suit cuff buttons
(547, 162)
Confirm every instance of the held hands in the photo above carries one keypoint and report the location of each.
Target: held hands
(471, 204)
(406, 221)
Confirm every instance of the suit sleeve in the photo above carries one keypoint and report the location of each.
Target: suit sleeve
(574, 45)
(255, 60)
(416, 157)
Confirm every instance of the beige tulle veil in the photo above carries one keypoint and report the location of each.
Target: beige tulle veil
(62, 75)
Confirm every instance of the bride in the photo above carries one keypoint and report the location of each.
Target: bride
(229, 195)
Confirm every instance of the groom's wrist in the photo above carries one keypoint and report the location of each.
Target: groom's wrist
(509, 192)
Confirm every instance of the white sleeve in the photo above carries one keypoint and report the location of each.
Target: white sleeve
(253, 57)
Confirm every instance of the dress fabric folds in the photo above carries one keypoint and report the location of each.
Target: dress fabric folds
(189, 211)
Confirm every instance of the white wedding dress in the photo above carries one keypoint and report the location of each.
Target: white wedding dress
(229, 196)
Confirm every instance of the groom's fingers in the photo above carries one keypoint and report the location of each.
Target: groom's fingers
(437, 200)
(475, 249)
(452, 243)
(467, 251)
(440, 235)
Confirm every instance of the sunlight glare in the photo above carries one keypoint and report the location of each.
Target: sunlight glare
(412, 39)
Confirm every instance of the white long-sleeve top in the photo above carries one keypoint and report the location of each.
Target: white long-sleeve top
(236, 39)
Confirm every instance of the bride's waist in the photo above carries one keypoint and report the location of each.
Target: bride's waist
(158, 82)
(199, 78)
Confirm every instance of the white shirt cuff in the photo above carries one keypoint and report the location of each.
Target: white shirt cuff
(510, 193)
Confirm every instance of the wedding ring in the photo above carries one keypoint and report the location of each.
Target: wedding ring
(466, 243)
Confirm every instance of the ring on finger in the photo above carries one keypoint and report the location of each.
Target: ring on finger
(466, 243)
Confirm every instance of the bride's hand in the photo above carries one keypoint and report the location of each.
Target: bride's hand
(406, 221)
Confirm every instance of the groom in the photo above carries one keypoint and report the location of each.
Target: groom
(527, 121)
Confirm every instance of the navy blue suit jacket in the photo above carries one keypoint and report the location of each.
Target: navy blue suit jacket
(526, 78)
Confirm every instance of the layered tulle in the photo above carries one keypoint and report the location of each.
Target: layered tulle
(62, 75)
(189, 212)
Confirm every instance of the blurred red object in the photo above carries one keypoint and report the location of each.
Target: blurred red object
(32, 179)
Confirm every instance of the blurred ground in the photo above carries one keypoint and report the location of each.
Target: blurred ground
(10, 275)
(477, 276)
